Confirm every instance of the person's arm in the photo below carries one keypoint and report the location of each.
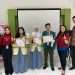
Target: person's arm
(67, 38)
(12, 38)
(43, 33)
(54, 36)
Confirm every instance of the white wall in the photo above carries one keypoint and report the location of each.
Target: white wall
(30, 19)
(13, 4)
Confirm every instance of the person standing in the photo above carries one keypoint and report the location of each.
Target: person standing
(35, 53)
(20, 53)
(6, 45)
(72, 48)
(48, 49)
(71, 32)
(63, 46)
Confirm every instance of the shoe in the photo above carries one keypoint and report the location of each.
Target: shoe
(45, 67)
(71, 68)
(52, 68)
(59, 68)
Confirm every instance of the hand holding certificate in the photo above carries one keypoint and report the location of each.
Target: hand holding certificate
(47, 39)
(20, 43)
(37, 40)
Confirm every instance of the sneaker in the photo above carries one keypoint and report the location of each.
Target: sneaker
(45, 67)
(59, 68)
(71, 68)
(52, 68)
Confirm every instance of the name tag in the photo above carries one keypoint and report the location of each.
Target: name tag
(7, 47)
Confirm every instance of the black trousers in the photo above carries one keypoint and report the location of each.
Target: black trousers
(7, 57)
(62, 56)
(72, 49)
(50, 51)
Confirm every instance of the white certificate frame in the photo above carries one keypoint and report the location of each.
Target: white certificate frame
(47, 39)
(20, 42)
(37, 40)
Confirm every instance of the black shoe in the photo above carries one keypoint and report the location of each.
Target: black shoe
(52, 68)
(71, 68)
(45, 67)
(59, 68)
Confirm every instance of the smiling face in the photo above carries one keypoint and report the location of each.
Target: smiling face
(36, 29)
(7, 31)
(48, 27)
(62, 28)
(73, 19)
(21, 31)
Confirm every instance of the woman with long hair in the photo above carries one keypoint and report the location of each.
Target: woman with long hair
(19, 52)
(6, 46)
(63, 46)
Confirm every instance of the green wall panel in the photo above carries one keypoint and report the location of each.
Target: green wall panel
(67, 16)
(11, 19)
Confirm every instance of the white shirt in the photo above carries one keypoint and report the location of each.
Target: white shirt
(37, 34)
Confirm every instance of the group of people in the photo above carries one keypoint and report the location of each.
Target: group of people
(16, 58)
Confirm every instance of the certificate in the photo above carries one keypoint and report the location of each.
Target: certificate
(47, 39)
(20, 43)
(37, 40)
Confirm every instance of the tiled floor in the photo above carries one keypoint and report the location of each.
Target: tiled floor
(44, 72)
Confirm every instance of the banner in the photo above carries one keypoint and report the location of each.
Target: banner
(2, 28)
